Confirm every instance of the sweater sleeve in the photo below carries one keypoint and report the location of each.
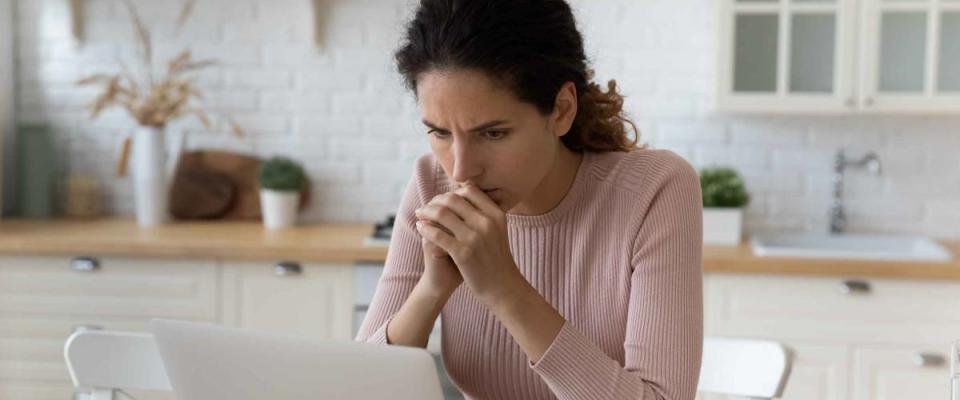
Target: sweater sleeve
(664, 337)
(404, 264)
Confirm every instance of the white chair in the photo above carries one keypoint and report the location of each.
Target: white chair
(104, 362)
(747, 369)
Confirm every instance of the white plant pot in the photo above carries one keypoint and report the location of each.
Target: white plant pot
(279, 208)
(149, 174)
(722, 226)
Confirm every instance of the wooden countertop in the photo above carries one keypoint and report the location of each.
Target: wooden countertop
(221, 239)
(740, 259)
(344, 243)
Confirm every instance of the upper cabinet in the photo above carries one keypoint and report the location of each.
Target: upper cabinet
(839, 56)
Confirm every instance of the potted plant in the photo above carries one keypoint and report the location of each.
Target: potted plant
(281, 181)
(153, 96)
(724, 197)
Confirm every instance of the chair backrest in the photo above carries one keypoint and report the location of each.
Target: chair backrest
(105, 361)
(753, 369)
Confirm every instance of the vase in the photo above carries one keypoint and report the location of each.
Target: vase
(722, 226)
(149, 174)
(279, 208)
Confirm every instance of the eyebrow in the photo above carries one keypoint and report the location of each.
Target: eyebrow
(479, 128)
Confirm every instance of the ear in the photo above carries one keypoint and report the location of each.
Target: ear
(564, 109)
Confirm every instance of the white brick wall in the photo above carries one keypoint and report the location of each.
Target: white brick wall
(340, 108)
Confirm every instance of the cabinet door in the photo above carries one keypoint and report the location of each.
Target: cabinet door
(44, 298)
(108, 286)
(902, 373)
(832, 309)
(911, 56)
(819, 372)
(309, 300)
(31, 354)
(789, 56)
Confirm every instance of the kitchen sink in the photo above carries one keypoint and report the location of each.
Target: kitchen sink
(849, 246)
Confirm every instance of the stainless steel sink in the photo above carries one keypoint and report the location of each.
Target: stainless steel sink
(849, 246)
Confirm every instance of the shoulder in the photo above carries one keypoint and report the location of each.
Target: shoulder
(644, 171)
(428, 177)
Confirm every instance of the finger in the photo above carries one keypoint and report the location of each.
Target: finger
(479, 199)
(427, 243)
(427, 221)
(437, 236)
(439, 214)
(463, 208)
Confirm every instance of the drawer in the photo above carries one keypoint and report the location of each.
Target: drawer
(832, 309)
(31, 348)
(917, 372)
(119, 287)
(311, 300)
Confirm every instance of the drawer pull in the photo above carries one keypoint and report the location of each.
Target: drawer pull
(287, 268)
(85, 264)
(856, 287)
(930, 360)
(79, 328)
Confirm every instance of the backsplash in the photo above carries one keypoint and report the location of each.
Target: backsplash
(338, 106)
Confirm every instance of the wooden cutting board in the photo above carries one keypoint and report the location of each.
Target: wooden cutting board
(215, 184)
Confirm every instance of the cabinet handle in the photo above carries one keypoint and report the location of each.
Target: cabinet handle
(78, 328)
(287, 268)
(851, 102)
(855, 287)
(868, 101)
(930, 360)
(85, 264)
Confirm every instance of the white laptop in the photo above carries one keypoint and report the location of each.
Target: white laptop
(210, 362)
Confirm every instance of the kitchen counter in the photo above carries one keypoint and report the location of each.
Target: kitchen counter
(241, 240)
(345, 243)
(740, 259)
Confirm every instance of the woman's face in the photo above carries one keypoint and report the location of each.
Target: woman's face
(481, 133)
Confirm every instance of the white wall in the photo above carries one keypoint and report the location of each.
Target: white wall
(340, 107)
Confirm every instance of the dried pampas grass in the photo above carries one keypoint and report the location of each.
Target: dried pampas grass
(155, 102)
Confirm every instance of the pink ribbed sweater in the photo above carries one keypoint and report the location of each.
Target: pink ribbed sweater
(619, 258)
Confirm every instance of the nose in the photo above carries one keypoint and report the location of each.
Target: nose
(466, 166)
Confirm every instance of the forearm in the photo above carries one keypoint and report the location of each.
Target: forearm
(412, 324)
(529, 318)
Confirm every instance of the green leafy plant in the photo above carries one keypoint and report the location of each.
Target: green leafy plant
(722, 187)
(281, 173)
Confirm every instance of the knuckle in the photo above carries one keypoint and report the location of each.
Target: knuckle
(486, 224)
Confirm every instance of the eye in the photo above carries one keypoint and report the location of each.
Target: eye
(495, 134)
(438, 134)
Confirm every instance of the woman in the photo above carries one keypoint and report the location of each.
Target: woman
(564, 260)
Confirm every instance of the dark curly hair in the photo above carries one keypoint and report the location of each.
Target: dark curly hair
(532, 47)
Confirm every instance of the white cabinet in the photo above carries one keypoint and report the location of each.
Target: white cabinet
(820, 372)
(783, 56)
(918, 372)
(44, 298)
(839, 56)
(109, 286)
(309, 300)
(852, 338)
(911, 53)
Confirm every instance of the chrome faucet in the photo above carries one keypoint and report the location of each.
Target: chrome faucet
(838, 217)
